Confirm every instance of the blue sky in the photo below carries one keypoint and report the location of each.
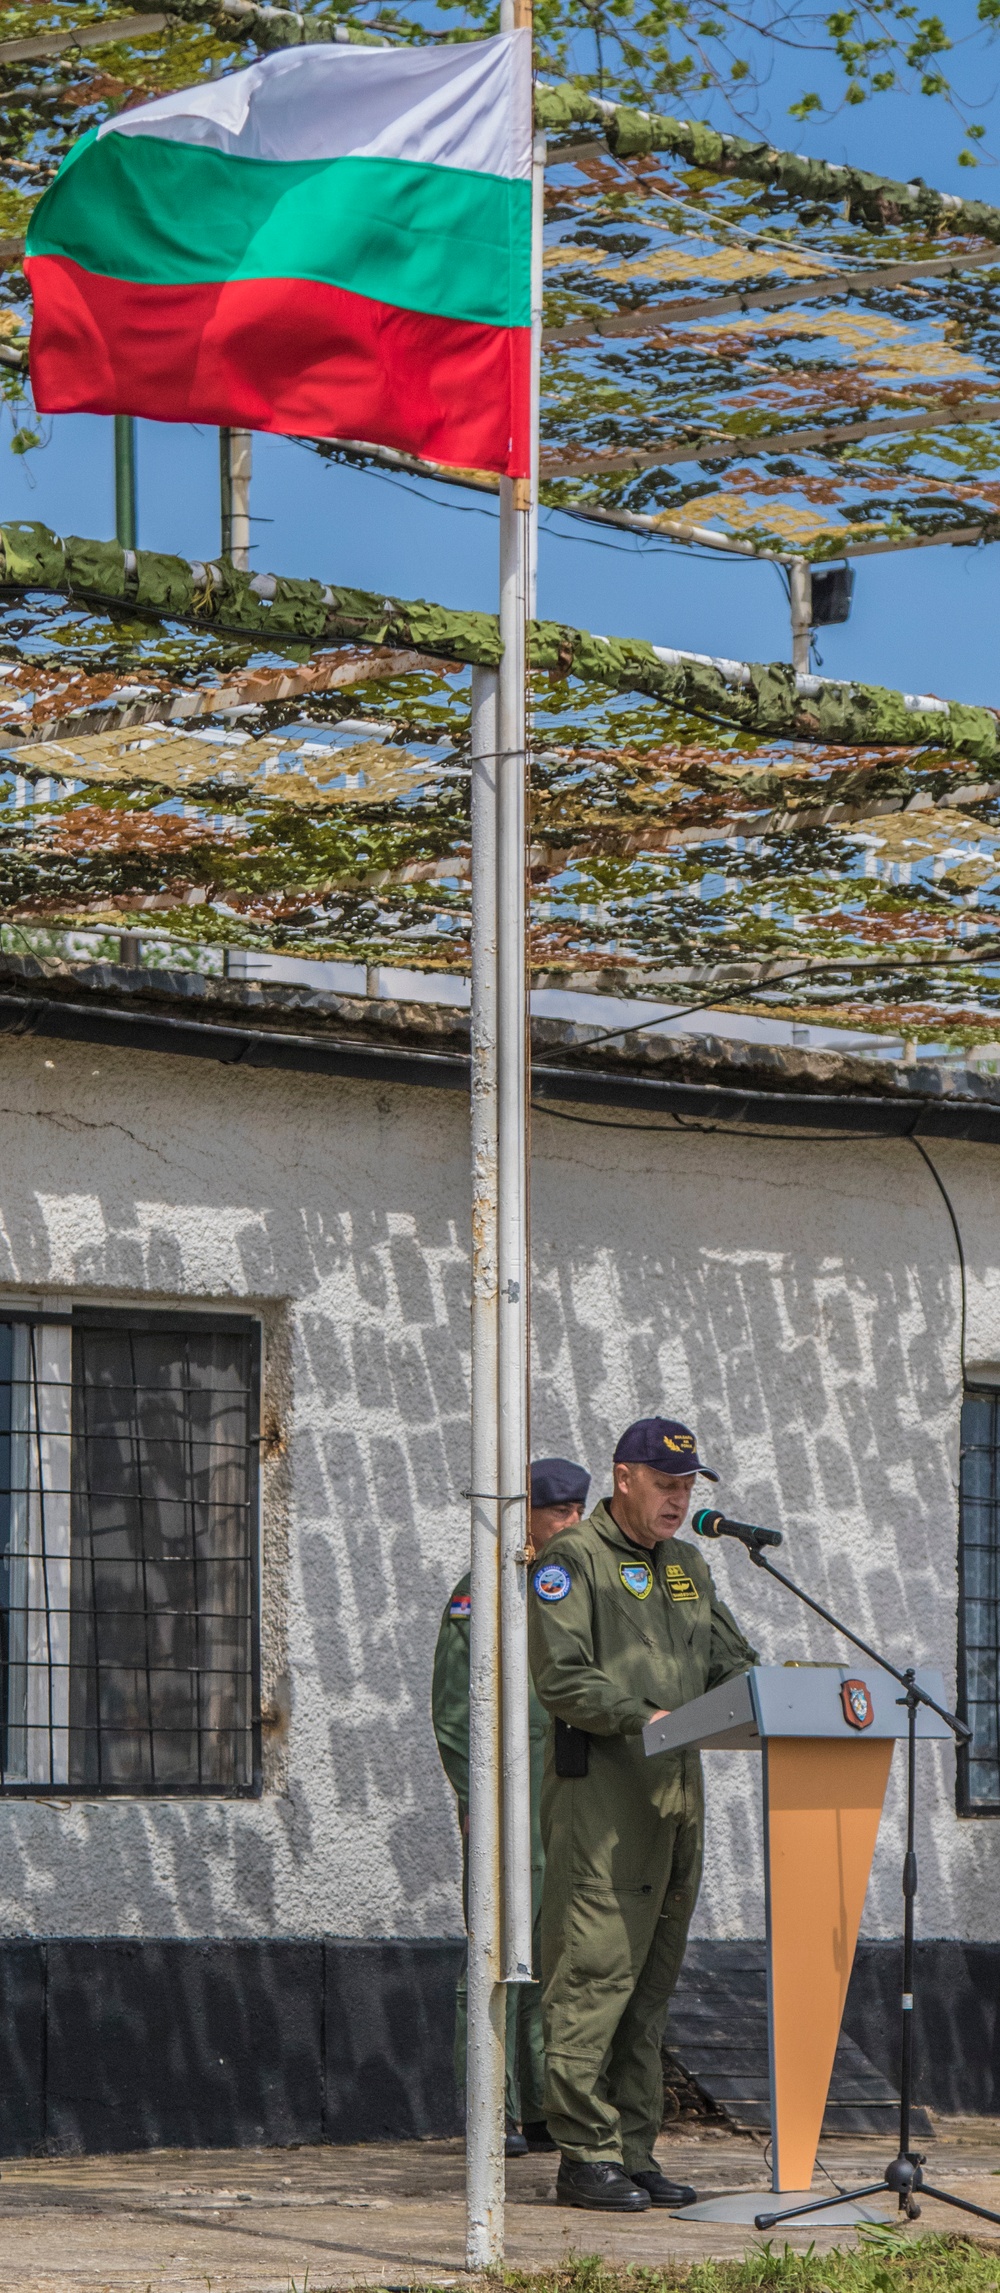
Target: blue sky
(927, 620)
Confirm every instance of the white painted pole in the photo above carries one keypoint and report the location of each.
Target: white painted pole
(235, 468)
(484, 2132)
(800, 589)
(512, 1230)
(499, 1885)
(537, 286)
(512, 1221)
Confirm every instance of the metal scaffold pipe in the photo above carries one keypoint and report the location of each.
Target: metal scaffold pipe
(512, 1226)
(500, 1922)
(126, 524)
(518, 536)
(800, 592)
(538, 153)
(235, 469)
(484, 2136)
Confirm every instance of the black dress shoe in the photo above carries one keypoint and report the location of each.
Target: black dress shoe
(602, 2188)
(537, 2135)
(515, 2145)
(662, 2191)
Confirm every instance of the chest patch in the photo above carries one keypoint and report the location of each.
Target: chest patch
(460, 1607)
(552, 1581)
(678, 1585)
(636, 1578)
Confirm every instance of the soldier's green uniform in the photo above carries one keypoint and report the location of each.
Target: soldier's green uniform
(616, 1633)
(450, 1711)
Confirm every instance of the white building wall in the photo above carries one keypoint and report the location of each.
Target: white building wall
(798, 1300)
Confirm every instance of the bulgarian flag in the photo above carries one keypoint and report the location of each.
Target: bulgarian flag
(335, 242)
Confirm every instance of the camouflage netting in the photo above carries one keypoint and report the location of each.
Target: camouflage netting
(768, 705)
(802, 358)
(872, 199)
(208, 789)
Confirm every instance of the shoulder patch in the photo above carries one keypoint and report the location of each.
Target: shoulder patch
(552, 1581)
(637, 1578)
(460, 1606)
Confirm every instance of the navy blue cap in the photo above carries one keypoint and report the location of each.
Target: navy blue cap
(663, 1442)
(554, 1481)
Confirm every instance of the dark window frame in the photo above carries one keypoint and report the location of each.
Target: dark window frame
(969, 1807)
(166, 1321)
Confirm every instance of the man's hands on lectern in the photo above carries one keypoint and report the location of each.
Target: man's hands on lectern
(657, 1716)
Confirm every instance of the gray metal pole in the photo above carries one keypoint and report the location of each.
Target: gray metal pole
(125, 484)
(518, 545)
(512, 1225)
(484, 2133)
(537, 288)
(499, 1949)
(800, 586)
(235, 469)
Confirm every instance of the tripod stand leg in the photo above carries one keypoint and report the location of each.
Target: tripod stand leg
(818, 2205)
(909, 1893)
(964, 2204)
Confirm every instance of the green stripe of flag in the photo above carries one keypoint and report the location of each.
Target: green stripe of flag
(443, 240)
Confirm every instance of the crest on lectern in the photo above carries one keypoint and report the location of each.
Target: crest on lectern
(859, 1711)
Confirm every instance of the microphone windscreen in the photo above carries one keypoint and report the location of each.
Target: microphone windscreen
(706, 1523)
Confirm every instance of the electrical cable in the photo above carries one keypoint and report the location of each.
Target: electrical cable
(956, 1230)
(636, 545)
(745, 989)
(678, 1125)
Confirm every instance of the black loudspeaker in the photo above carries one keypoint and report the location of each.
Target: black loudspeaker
(832, 591)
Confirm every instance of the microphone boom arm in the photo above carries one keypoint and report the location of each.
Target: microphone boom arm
(906, 1680)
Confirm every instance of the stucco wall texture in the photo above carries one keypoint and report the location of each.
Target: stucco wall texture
(798, 1300)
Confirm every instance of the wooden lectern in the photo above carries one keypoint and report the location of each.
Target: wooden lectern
(826, 1732)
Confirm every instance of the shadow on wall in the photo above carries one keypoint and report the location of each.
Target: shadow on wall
(798, 1303)
(797, 1300)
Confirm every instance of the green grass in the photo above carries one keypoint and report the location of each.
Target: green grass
(883, 2261)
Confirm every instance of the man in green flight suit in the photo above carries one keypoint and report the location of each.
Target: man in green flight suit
(558, 1495)
(622, 1624)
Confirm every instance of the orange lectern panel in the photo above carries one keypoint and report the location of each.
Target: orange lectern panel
(822, 1806)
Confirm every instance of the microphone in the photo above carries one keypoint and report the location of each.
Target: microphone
(709, 1524)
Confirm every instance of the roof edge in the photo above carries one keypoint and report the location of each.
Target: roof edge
(703, 1104)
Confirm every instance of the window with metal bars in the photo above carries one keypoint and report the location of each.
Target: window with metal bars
(979, 1602)
(128, 1553)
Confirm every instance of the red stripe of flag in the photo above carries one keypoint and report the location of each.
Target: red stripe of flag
(288, 355)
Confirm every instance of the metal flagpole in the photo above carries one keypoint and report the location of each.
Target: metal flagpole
(484, 2134)
(800, 592)
(537, 283)
(499, 1947)
(235, 466)
(512, 1221)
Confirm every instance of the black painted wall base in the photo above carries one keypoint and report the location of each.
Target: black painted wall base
(956, 2037)
(121, 2045)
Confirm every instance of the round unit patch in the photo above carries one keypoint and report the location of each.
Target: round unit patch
(552, 1582)
(636, 1578)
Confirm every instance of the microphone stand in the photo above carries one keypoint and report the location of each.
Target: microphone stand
(904, 2174)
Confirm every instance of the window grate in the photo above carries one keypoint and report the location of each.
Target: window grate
(128, 1555)
(979, 1603)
